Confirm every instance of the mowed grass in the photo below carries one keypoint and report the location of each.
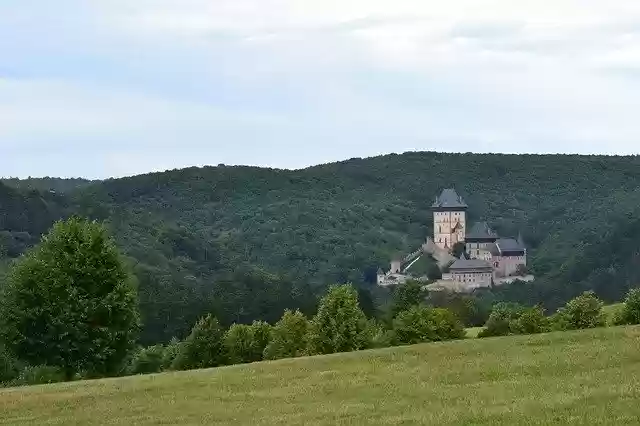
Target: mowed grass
(574, 378)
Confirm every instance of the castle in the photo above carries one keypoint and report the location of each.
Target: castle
(486, 260)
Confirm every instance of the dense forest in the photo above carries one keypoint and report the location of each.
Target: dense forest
(247, 242)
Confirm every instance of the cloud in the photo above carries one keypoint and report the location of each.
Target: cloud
(120, 87)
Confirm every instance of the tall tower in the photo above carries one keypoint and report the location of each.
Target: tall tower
(449, 219)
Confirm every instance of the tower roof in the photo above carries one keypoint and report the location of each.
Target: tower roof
(449, 199)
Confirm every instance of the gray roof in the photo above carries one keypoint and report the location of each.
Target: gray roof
(509, 244)
(470, 264)
(449, 198)
(481, 230)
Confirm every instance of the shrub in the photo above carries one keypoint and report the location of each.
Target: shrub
(147, 360)
(171, 352)
(630, 312)
(40, 375)
(9, 366)
(530, 321)
(340, 325)
(500, 319)
(204, 348)
(585, 311)
(288, 336)
(423, 324)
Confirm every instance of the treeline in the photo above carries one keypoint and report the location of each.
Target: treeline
(70, 311)
(208, 236)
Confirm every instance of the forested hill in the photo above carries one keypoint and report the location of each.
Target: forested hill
(194, 234)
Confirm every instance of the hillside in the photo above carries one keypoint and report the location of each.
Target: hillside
(585, 377)
(247, 242)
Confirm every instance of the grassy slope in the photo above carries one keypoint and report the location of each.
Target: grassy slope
(588, 377)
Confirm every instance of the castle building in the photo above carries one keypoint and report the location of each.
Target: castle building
(487, 259)
(472, 273)
(449, 219)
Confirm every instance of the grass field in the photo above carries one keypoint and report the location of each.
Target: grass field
(575, 378)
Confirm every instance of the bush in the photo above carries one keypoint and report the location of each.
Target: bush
(148, 360)
(340, 325)
(423, 324)
(288, 336)
(261, 332)
(9, 367)
(40, 375)
(530, 321)
(630, 312)
(204, 348)
(507, 319)
(171, 352)
(499, 322)
(585, 311)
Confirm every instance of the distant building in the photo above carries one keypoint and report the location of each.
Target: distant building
(472, 273)
(449, 219)
(488, 259)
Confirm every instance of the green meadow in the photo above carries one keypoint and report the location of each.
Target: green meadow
(584, 377)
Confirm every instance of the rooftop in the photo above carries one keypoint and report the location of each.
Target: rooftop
(449, 199)
(470, 264)
(507, 245)
(481, 230)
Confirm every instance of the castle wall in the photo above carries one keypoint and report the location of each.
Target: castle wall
(506, 266)
(443, 224)
(479, 250)
(473, 279)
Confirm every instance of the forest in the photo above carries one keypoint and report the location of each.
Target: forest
(247, 243)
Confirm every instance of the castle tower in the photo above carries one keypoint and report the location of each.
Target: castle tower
(449, 219)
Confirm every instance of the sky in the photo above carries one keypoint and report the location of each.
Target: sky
(102, 88)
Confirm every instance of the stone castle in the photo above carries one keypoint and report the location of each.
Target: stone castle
(487, 259)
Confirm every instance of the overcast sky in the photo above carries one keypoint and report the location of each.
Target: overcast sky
(100, 88)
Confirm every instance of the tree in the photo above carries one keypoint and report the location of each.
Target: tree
(422, 324)
(238, 342)
(630, 312)
(584, 311)
(71, 303)
(340, 325)
(407, 295)
(204, 348)
(288, 337)
(261, 332)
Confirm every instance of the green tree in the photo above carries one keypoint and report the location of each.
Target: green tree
(204, 348)
(148, 360)
(288, 337)
(71, 303)
(421, 324)
(584, 311)
(407, 295)
(630, 312)
(261, 332)
(238, 342)
(340, 325)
